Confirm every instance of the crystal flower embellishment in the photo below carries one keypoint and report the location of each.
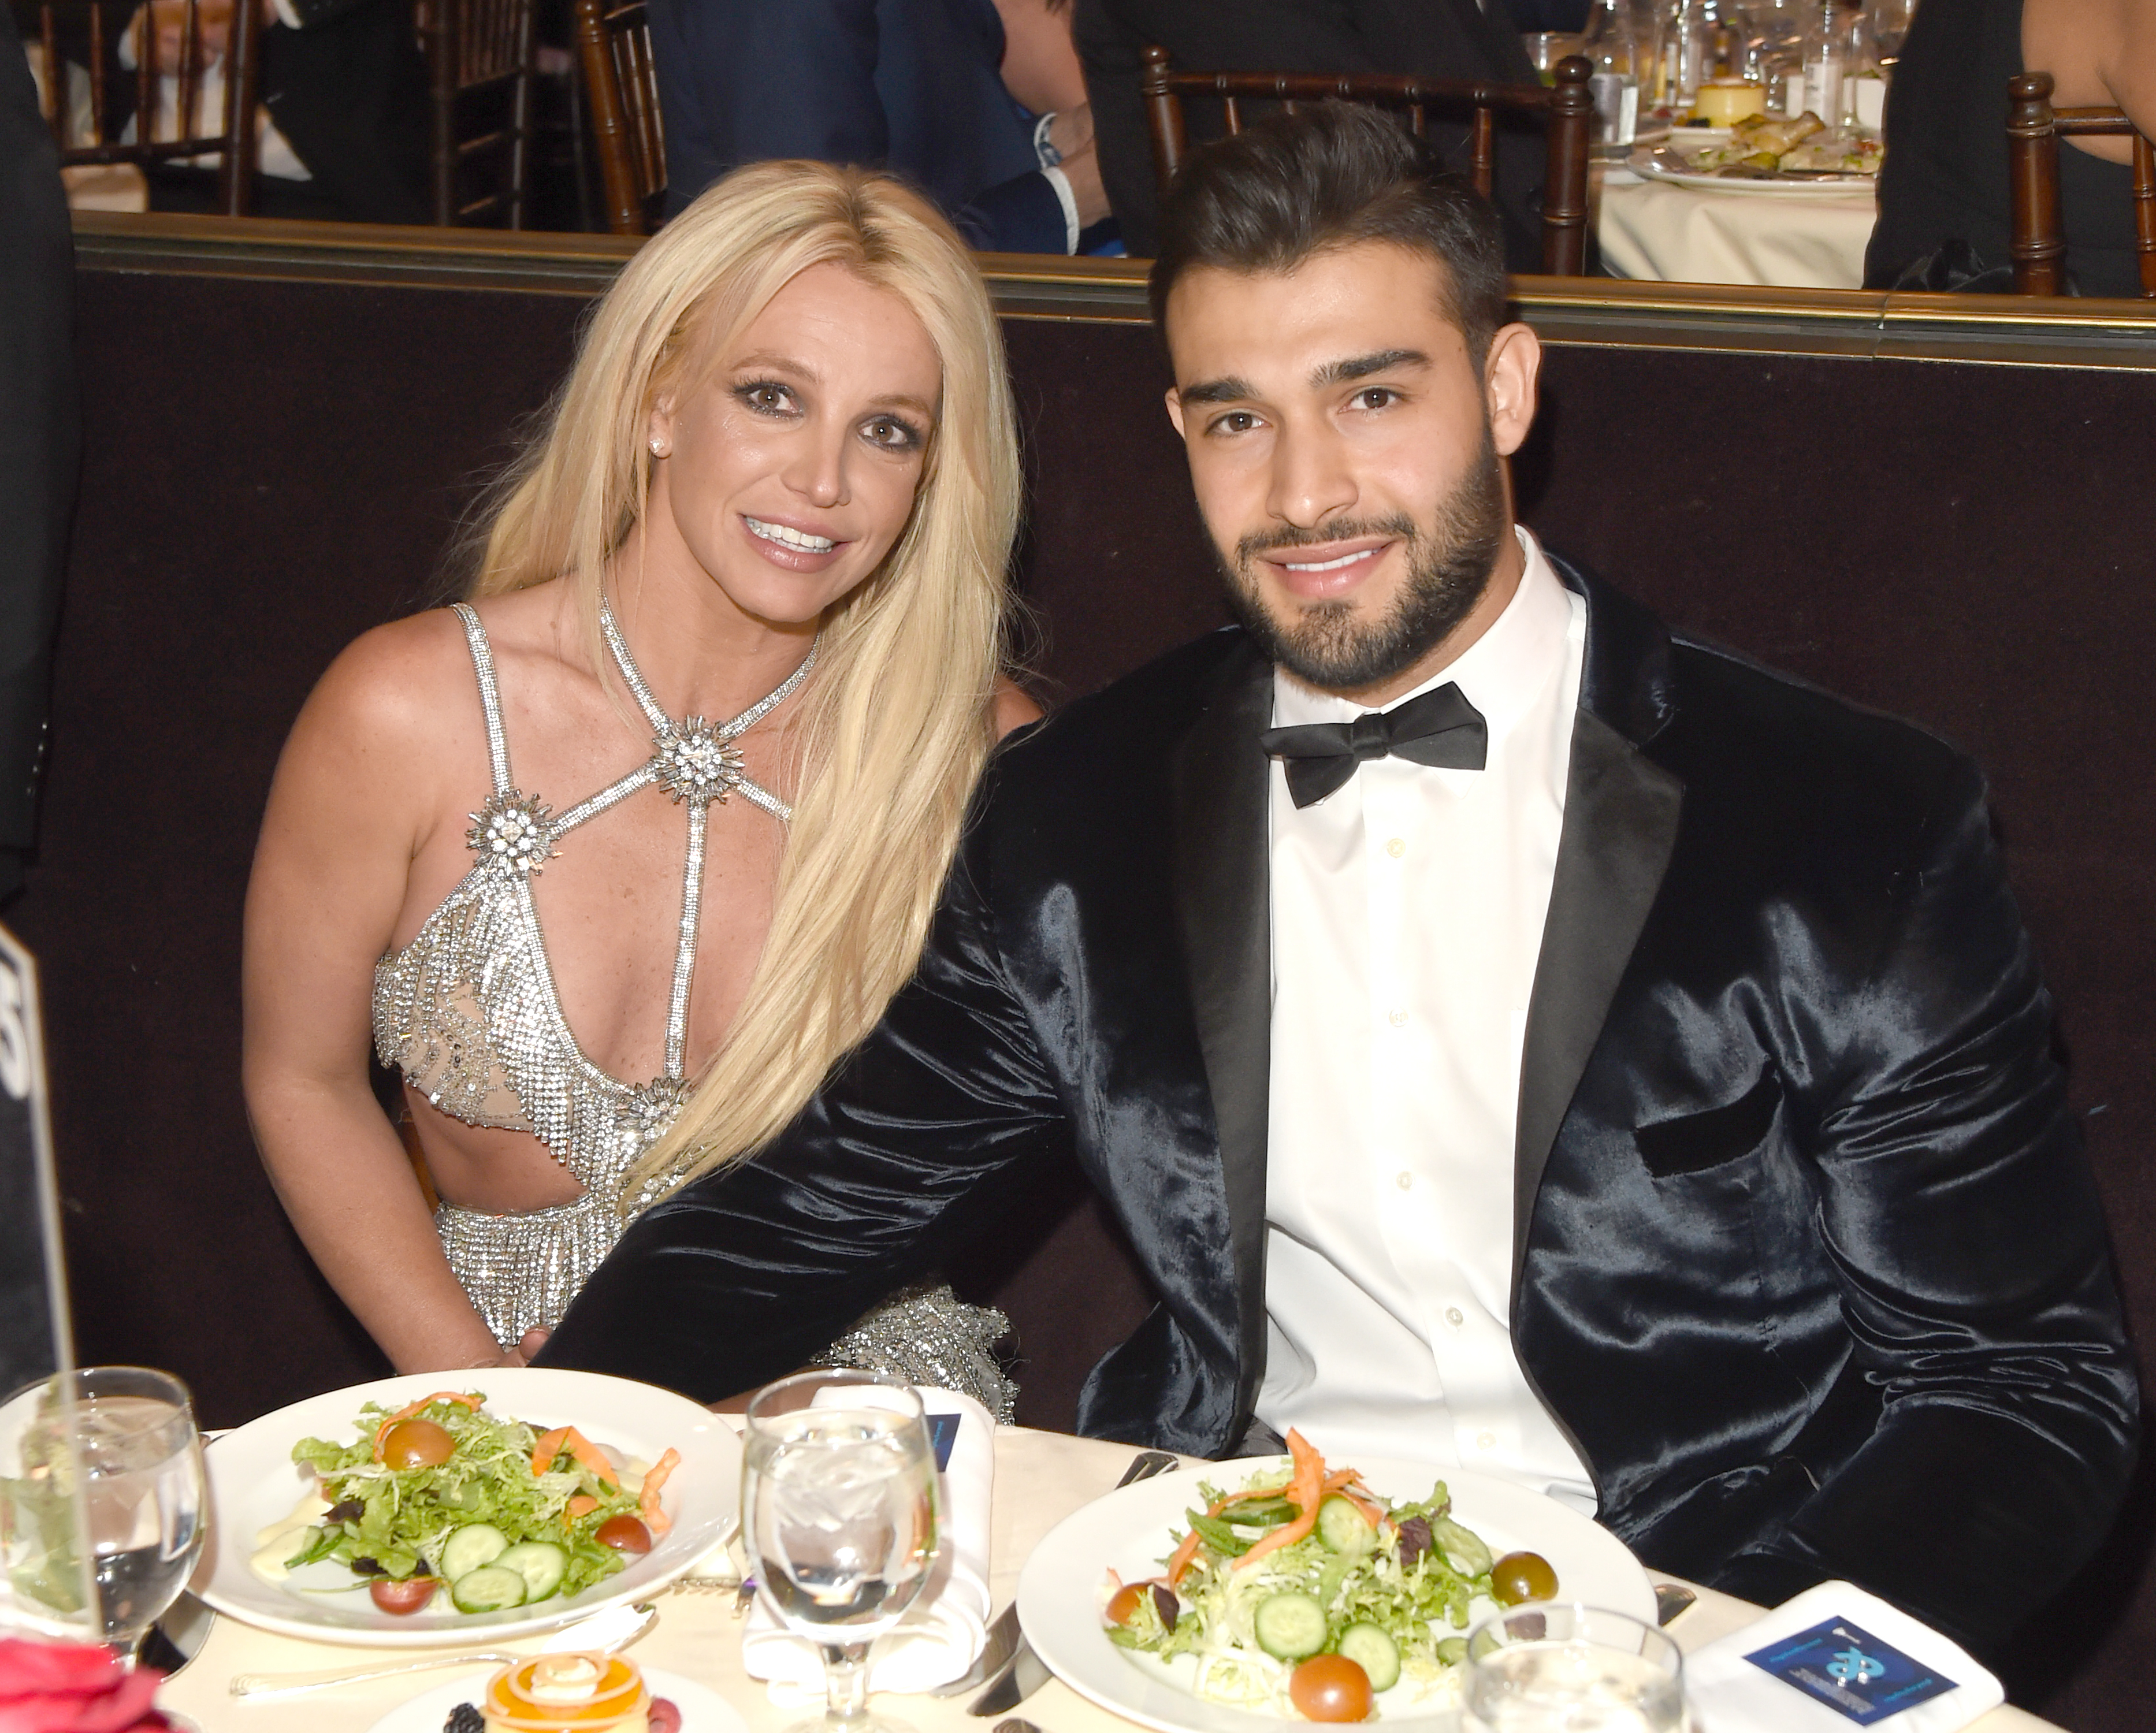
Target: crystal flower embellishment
(512, 833)
(696, 764)
(651, 1108)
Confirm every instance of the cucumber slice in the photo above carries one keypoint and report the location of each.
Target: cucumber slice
(1375, 1653)
(468, 1548)
(1345, 1530)
(1290, 1626)
(489, 1589)
(541, 1564)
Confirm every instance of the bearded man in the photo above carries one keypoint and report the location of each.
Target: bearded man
(1512, 1033)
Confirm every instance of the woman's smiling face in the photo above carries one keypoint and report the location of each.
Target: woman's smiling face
(790, 470)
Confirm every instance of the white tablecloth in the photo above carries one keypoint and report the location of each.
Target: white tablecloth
(1662, 232)
(1040, 1479)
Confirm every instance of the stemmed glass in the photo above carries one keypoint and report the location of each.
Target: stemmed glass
(839, 1518)
(113, 1449)
(1541, 1668)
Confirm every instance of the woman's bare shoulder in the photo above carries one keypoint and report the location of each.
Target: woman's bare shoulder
(409, 679)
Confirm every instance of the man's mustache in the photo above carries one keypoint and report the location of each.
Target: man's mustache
(1266, 541)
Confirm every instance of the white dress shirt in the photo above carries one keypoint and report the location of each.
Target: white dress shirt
(1407, 918)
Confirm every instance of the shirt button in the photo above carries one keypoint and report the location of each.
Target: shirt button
(1455, 1316)
(1397, 846)
(1398, 1018)
(1405, 1179)
(1486, 1441)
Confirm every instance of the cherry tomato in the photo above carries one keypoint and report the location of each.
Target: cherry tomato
(409, 1596)
(1522, 1577)
(1123, 1605)
(417, 1444)
(1330, 1687)
(624, 1534)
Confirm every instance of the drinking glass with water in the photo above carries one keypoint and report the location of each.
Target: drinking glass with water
(1544, 1668)
(838, 1516)
(108, 1455)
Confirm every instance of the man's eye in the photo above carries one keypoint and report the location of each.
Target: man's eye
(1236, 421)
(1376, 396)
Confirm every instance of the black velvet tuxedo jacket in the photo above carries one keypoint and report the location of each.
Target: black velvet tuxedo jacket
(1809, 1263)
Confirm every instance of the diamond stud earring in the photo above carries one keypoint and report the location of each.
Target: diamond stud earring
(658, 447)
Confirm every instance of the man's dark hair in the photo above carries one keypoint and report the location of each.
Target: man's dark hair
(1332, 175)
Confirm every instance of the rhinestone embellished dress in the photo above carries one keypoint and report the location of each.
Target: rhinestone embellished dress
(468, 1013)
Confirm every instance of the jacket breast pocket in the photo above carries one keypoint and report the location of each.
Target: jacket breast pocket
(1692, 1142)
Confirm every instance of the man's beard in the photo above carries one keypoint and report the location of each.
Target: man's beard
(1326, 645)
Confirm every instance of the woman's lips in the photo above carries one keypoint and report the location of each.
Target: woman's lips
(795, 547)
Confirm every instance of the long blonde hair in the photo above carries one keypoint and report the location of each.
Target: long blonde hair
(894, 725)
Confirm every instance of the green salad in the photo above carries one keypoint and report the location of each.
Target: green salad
(1306, 1593)
(442, 1499)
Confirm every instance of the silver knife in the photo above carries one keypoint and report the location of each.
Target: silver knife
(1023, 1673)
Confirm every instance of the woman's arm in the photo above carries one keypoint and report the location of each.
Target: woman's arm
(2101, 53)
(1013, 707)
(346, 816)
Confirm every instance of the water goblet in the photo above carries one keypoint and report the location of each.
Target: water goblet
(839, 1519)
(114, 1449)
(1561, 1667)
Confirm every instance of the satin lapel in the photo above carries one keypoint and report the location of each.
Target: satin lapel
(1621, 824)
(1224, 917)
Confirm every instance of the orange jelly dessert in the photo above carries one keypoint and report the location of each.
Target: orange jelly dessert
(569, 1694)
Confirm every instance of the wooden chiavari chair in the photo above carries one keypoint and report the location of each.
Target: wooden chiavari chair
(1569, 107)
(615, 38)
(2034, 128)
(474, 47)
(103, 26)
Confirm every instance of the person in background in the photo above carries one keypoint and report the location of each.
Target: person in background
(342, 126)
(1945, 216)
(978, 102)
(612, 861)
(1512, 1033)
(1435, 39)
(40, 442)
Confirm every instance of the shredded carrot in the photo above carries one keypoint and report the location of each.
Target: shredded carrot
(473, 1402)
(582, 1504)
(1343, 1484)
(655, 1516)
(1306, 1491)
(586, 1455)
(1184, 1555)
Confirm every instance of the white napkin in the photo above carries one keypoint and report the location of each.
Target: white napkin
(942, 1634)
(1832, 1659)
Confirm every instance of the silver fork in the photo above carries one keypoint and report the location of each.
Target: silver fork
(1006, 1650)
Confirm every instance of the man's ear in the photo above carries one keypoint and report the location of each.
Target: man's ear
(1175, 409)
(1509, 378)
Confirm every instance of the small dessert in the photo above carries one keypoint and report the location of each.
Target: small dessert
(1725, 101)
(569, 1694)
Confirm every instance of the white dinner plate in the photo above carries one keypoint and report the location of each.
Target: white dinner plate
(253, 1483)
(1059, 1592)
(703, 1710)
(1661, 160)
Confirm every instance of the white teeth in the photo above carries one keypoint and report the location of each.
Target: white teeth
(1332, 565)
(788, 538)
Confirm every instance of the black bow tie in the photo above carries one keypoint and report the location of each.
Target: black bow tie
(1439, 728)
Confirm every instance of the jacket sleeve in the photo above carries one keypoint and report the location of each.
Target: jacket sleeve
(751, 80)
(1962, 1221)
(745, 1274)
(40, 440)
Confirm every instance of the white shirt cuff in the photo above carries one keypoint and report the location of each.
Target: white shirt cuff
(1062, 182)
(288, 15)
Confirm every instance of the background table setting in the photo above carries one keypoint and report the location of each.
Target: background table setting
(680, 1610)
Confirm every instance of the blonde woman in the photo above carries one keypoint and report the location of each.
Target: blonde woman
(614, 860)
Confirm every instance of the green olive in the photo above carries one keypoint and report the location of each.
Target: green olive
(1522, 1577)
